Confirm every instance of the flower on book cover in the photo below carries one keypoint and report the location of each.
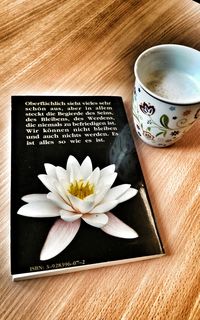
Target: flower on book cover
(78, 192)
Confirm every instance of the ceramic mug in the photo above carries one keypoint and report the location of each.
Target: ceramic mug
(166, 100)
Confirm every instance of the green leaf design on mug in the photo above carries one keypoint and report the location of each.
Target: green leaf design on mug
(164, 132)
(159, 133)
(164, 120)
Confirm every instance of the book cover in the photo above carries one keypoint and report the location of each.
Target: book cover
(78, 195)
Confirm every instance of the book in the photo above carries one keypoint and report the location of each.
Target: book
(78, 194)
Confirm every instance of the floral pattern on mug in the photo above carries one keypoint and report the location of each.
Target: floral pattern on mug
(148, 135)
(186, 112)
(174, 133)
(159, 128)
(147, 108)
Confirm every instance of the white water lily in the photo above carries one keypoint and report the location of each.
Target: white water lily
(78, 192)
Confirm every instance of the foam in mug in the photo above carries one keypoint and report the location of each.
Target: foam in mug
(173, 85)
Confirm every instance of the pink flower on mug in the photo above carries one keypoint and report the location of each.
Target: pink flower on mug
(147, 108)
(148, 135)
(78, 193)
(187, 112)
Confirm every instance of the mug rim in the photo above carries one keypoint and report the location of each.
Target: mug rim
(151, 93)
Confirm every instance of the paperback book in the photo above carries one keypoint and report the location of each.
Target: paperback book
(78, 195)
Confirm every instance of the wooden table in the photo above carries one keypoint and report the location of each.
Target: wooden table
(89, 48)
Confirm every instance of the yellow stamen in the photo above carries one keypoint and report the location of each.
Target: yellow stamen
(81, 189)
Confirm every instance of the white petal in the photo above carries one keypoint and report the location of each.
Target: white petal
(62, 174)
(116, 192)
(94, 177)
(59, 201)
(60, 189)
(104, 207)
(100, 195)
(115, 227)
(121, 193)
(75, 173)
(107, 180)
(90, 198)
(86, 167)
(95, 220)
(34, 197)
(108, 170)
(127, 195)
(48, 181)
(79, 205)
(39, 209)
(50, 169)
(59, 237)
(69, 216)
(71, 162)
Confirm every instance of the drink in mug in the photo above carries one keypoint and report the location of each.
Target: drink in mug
(173, 85)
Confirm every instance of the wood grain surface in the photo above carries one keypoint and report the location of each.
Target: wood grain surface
(87, 48)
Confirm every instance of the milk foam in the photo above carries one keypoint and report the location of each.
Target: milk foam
(174, 85)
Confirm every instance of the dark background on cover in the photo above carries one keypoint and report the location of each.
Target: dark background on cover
(90, 244)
